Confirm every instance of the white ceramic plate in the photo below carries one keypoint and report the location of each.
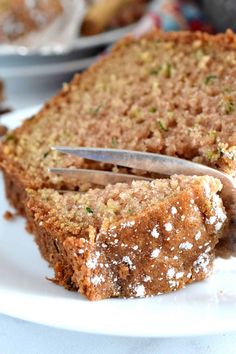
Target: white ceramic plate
(202, 308)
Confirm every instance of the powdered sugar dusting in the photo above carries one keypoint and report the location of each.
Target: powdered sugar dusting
(92, 262)
(147, 278)
(198, 235)
(168, 226)
(155, 233)
(173, 283)
(179, 275)
(220, 214)
(97, 279)
(202, 263)
(173, 210)
(155, 253)
(218, 226)
(185, 245)
(211, 220)
(127, 224)
(127, 260)
(218, 209)
(170, 273)
(207, 190)
(140, 290)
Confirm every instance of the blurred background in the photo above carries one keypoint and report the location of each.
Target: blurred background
(44, 42)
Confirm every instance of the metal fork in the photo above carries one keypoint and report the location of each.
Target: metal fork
(150, 162)
(160, 164)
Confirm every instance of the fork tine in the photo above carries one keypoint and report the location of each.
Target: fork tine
(102, 178)
(152, 162)
(125, 158)
(161, 164)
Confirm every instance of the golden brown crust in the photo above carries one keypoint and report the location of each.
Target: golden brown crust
(15, 192)
(52, 251)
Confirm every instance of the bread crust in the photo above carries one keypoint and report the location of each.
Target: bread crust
(15, 192)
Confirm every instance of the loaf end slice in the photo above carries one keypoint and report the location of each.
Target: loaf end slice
(140, 240)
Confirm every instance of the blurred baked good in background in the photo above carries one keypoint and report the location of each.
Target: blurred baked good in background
(21, 17)
(43, 43)
(103, 15)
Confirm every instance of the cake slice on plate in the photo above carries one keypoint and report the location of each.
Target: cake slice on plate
(135, 240)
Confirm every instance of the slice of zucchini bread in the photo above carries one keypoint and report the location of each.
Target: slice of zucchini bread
(170, 93)
(135, 240)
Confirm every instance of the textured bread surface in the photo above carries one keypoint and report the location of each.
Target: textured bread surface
(129, 241)
(170, 93)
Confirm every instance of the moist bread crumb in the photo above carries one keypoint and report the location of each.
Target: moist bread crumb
(136, 240)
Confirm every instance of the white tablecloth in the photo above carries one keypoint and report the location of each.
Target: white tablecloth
(20, 337)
